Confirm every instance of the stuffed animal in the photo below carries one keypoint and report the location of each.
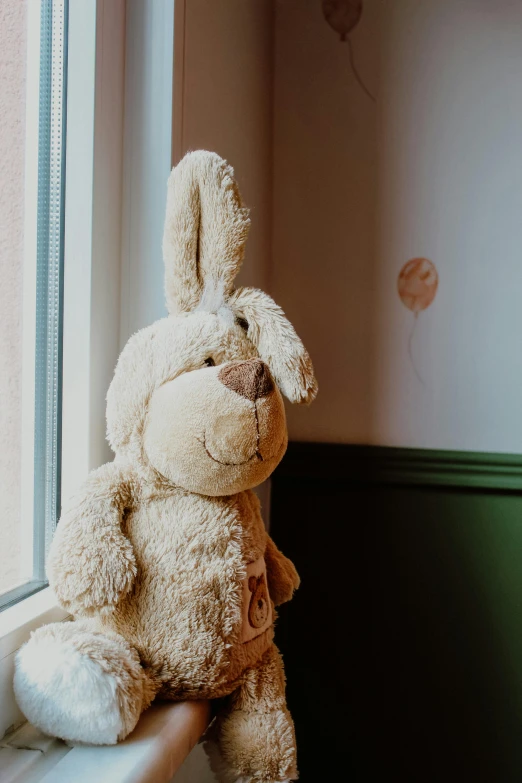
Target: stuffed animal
(162, 557)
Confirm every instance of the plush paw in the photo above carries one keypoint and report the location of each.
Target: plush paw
(93, 579)
(78, 685)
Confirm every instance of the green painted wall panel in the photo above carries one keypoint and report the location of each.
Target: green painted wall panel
(403, 646)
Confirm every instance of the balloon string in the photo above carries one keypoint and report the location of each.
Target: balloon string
(410, 350)
(356, 72)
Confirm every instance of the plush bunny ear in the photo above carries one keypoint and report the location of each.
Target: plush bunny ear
(277, 343)
(206, 227)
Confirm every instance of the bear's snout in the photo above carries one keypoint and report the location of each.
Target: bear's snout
(250, 379)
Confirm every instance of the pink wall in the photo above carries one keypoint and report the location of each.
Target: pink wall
(324, 211)
(433, 168)
(223, 102)
(12, 146)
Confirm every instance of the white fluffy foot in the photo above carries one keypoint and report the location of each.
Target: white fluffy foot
(80, 685)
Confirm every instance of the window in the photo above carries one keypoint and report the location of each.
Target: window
(32, 189)
(82, 191)
(116, 124)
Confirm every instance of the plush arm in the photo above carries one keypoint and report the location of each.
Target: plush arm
(283, 579)
(91, 563)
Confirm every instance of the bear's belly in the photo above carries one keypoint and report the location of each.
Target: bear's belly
(186, 613)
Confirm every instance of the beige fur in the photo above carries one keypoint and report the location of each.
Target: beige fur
(152, 554)
(130, 689)
(277, 343)
(205, 230)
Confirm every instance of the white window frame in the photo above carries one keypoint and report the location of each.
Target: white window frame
(37, 508)
(29, 289)
(116, 171)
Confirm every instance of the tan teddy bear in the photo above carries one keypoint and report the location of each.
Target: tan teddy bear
(162, 556)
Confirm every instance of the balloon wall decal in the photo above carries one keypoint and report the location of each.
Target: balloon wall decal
(343, 16)
(417, 286)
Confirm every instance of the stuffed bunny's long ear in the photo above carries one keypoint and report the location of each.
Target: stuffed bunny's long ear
(206, 227)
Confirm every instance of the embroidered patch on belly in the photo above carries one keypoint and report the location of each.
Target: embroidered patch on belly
(257, 608)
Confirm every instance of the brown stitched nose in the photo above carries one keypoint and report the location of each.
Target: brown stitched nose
(250, 379)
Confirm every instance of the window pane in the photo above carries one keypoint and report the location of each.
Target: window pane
(13, 47)
(32, 133)
(49, 277)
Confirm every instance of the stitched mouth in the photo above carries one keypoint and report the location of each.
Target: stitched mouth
(255, 456)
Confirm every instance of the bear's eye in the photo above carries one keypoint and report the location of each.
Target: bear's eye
(209, 362)
(243, 323)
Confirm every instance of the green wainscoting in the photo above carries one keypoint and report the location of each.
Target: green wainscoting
(403, 647)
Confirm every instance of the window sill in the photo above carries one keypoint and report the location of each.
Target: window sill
(153, 753)
(17, 622)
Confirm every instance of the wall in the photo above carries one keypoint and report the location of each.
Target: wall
(417, 606)
(223, 102)
(12, 147)
(423, 579)
(432, 169)
(323, 218)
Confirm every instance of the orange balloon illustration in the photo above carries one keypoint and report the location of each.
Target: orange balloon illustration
(417, 284)
(342, 15)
